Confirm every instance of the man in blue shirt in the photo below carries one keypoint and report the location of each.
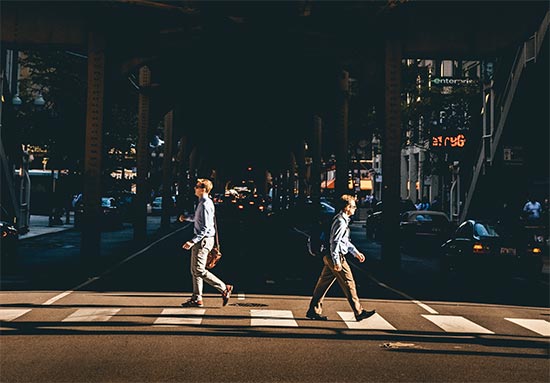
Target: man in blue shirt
(201, 244)
(336, 268)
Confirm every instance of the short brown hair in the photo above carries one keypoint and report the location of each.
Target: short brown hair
(205, 184)
(345, 200)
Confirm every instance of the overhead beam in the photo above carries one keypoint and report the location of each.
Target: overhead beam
(26, 25)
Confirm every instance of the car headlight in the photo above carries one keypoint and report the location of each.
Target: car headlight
(539, 238)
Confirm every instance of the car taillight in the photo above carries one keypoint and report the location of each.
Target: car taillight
(479, 248)
(4, 234)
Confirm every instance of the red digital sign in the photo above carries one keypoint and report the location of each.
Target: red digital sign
(448, 141)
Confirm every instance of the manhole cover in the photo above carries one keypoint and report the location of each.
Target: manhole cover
(248, 304)
(399, 345)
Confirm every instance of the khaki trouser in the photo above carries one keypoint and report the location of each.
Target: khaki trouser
(199, 253)
(325, 281)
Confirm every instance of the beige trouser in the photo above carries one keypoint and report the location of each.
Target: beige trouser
(199, 273)
(325, 281)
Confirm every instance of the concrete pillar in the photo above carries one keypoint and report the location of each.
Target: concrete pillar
(167, 171)
(420, 173)
(391, 257)
(91, 235)
(404, 177)
(342, 166)
(142, 195)
(413, 196)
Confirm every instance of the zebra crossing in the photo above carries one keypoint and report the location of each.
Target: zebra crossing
(170, 317)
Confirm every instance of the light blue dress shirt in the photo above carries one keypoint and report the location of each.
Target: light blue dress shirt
(340, 243)
(204, 220)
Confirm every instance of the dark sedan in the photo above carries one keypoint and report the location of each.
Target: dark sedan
(374, 220)
(424, 229)
(110, 218)
(477, 246)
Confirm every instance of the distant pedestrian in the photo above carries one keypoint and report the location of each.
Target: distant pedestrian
(424, 205)
(532, 209)
(336, 268)
(201, 244)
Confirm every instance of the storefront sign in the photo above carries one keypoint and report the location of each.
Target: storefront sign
(449, 81)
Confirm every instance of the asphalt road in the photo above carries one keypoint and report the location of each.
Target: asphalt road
(125, 324)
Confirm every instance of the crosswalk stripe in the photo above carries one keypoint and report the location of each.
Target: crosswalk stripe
(540, 326)
(375, 322)
(279, 318)
(7, 315)
(174, 317)
(450, 323)
(91, 315)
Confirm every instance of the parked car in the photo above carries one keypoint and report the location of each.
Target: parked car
(156, 206)
(476, 245)
(110, 219)
(424, 229)
(374, 219)
(8, 243)
(125, 202)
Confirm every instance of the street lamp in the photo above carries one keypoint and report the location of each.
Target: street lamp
(16, 101)
(39, 101)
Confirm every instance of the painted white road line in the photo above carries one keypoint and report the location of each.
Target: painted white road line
(381, 284)
(425, 307)
(241, 297)
(176, 317)
(450, 323)
(540, 326)
(279, 318)
(7, 315)
(375, 322)
(91, 315)
(113, 268)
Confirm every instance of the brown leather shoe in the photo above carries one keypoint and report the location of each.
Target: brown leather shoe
(227, 294)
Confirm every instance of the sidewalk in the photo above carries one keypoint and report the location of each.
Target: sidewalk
(39, 225)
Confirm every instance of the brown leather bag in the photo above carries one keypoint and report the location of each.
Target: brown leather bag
(215, 254)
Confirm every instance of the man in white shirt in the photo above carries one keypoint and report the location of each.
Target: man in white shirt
(533, 209)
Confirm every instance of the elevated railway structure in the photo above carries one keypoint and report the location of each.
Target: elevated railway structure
(259, 77)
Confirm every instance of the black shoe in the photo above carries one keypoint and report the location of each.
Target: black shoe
(364, 315)
(315, 316)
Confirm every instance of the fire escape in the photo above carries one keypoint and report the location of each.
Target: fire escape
(494, 116)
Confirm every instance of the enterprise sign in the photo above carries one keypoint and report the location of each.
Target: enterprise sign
(452, 81)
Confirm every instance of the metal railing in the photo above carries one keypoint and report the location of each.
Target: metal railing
(527, 52)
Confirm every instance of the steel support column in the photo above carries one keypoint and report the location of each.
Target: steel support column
(316, 178)
(143, 160)
(300, 155)
(342, 166)
(91, 235)
(391, 152)
(167, 171)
